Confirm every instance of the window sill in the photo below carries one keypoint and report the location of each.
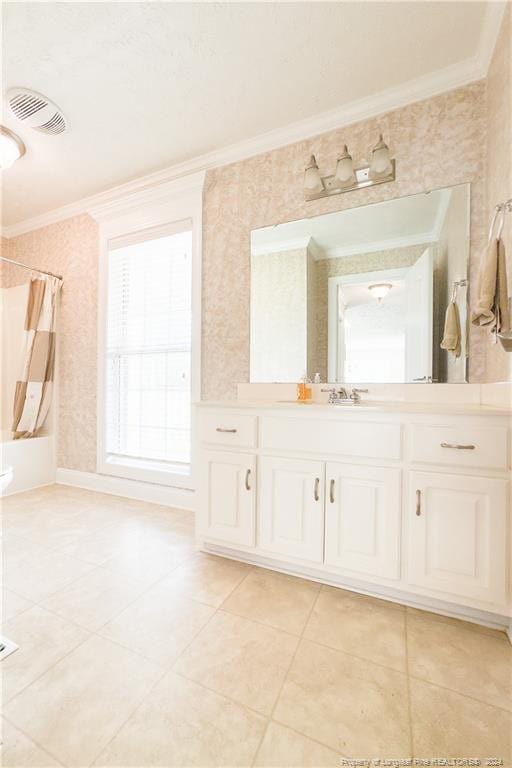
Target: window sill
(158, 472)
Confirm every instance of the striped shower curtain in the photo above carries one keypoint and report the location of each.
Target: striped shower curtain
(33, 393)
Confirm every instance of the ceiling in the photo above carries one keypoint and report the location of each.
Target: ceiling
(394, 223)
(148, 85)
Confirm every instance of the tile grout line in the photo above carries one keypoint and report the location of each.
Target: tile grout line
(90, 633)
(30, 738)
(35, 680)
(167, 670)
(408, 683)
(301, 637)
(285, 676)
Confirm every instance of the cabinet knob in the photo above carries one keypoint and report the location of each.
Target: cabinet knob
(418, 503)
(247, 476)
(331, 491)
(459, 447)
(317, 487)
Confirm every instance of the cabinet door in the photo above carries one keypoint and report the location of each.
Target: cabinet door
(457, 535)
(291, 507)
(362, 519)
(227, 506)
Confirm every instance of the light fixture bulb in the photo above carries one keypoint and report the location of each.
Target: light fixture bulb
(11, 147)
(345, 175)
(312, 180)
(381, 161)
(380, 290)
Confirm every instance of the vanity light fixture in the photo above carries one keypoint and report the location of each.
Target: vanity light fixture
(11, 147)
(313, 183)
(380, 290)
(381, 164)
(346, 177)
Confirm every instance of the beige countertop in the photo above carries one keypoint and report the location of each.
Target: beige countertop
(369, 406)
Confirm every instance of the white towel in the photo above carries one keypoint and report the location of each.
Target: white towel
(492, 301)
(451, 336)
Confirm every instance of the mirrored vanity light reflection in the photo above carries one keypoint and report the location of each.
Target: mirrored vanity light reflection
(361, 295)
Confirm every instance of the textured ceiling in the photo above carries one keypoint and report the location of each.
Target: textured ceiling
(145, 85)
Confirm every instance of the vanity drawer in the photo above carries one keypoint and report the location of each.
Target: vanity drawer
(359, 439)
(462, 446)
(229, 428)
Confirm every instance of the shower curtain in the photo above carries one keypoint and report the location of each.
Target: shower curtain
(33, 393)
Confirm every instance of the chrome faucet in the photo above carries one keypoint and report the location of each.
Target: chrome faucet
(336, 394)
(355, 395)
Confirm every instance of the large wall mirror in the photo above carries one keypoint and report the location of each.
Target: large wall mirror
(361, 295)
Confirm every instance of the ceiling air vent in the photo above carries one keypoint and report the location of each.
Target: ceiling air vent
(36, 111)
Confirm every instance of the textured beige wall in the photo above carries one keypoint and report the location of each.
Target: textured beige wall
(279, 315)
(69, 248)
(451, 264)
(437, 143)
(498, 363)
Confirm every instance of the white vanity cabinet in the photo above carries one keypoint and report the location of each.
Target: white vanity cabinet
(457, 542)
(362, 519)
(229, 497)
(291, 507)
(412, 506)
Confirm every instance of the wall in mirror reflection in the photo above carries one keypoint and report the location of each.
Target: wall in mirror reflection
(361, 295)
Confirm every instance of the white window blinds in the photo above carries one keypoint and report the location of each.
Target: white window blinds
(149, 351)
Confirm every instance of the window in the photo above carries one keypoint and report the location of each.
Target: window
(148, 351)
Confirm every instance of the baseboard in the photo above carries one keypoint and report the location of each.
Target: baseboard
(475, 615)
(26, 490)
(132, 489)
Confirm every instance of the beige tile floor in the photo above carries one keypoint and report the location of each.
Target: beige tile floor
(136, 650)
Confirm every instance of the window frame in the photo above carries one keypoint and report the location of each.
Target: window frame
(144, 215)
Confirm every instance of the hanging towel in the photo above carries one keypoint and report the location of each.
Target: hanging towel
(492, 305)
(483, 313)
(451, 336)
(501, 302)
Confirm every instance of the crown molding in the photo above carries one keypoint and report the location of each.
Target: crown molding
(374, 246)
(489, 34)
(425, 87)
(149, 195)
(282, 246)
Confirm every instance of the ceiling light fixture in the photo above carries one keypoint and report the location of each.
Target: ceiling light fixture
(380, 290)
(346, 177)
(11, 147)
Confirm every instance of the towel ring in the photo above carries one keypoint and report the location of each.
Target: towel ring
(499, 211)
(456, 285)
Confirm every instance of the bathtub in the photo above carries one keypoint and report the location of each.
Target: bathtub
(32, 461)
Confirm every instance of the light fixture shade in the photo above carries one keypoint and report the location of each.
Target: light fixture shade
(380, 290)
(11, 147)
(312, 180)
(345, 175)
(381, 161)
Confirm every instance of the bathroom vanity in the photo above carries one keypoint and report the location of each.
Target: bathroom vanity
(405, 501)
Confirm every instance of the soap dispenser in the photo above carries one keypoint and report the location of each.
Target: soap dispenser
(303, 391)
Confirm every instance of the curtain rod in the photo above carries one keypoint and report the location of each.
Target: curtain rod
(32, 269)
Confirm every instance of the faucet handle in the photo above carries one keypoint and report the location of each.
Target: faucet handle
(332, 393)
(356, 393)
